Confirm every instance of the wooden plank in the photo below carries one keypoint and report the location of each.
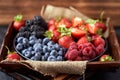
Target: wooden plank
(29, 8)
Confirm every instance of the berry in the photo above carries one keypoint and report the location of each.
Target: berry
(32, 42)
(45, 41)
(99, 41)
(19, 46)
(28, 54)
(37, 48)
(20, 39)
(72, 55)
(99, 49)
(53, 52)
(60, 53)
(32, 37)
(59, 58)
(51, 58)
(24, 51)
(25, 41)
(87, 51)
(57, 46)
(45, 49)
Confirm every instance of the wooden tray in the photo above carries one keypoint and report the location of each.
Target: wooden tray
(113, 49)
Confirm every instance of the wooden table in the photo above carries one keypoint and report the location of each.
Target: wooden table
(29, 8)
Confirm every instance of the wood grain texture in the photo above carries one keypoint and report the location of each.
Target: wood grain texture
(29, 8)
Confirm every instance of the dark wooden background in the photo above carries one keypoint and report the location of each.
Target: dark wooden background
(29, 8)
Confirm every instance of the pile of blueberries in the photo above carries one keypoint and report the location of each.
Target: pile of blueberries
(31, 43)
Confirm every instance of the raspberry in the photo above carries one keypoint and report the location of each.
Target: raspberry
(85, 58)
(99, 41)
(99, 49)
(93, 55)
(73, 45)
(87, 51)
(72, 55)
(78, 58)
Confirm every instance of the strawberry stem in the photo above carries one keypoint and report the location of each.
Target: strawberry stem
(18, 17)
(8, 50)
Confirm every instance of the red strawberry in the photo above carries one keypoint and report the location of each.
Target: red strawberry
(12, 55)
(56, 36)
(76, 21)
(92, 28)
(106, 57)
(101, 26)
(52, 28)
(82, 40)
(18, 22)
(64, 22)
(99, 41)
(51, 22)
(65, 41)
(77, 33)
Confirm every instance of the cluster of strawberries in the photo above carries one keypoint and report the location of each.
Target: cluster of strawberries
(83, 39)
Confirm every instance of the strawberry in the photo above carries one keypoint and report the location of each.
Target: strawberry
(64, 22)
(106, 57)
(12, 55)
(77, 33)
(51, 22)
(99, 41)
(65, 41)
(76, 21)
(52, 28)
(18, 22)
(92, 28)
(53, 35)
(82, 40)
(101, 26)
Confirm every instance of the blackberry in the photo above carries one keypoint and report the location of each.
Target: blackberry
(29, 22)
(38, 34)
(34, 28)
(20, 34)
(27, 34)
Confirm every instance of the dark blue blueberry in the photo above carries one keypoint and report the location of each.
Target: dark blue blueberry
(19, 46)
(32, 37)
(59, 58)
(36, 45)
(33, 58)
(54, 53)
(25, 41)
(38, 41)
(50, 43)
(49, 48)
(46, 55)
(32, 42)
(60, 53)
(45, 49)
(28, 54)
(20, 39)
(33, 53)
(38, 56)
(30, 48)
(43, 58)
(24, 51)
(45, 41)
(51, 58)
(57, 47)
(38, 49)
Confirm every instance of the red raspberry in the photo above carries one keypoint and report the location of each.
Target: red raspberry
(99, 41)
(93, 55)
(72, 55)
(78, 58)
(87, 51)
(85, 58)
(99, 49)
(81, 46)
(73, 45)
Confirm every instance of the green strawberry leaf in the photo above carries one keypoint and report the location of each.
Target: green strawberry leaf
(64, 31)
(49, 34)
(89, 38)
(99, 31)
(18, 17)
(91, 21)
(8, 50)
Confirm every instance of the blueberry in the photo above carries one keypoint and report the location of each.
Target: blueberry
(33, 58)
(45, 49)
(24, 51)
(60, 53)
(25, 41)
(20, 39)
(59, 58)
(49, 48)
(30, 48)
(33, 53)
(46, 55)
(37, 44)
(38, 49)
(19, 46)
(43, 58)
(32, 37)
(45, 41)
(37, 56)
(51, 58)
(57, 47)
(38, 41)
(53, 52)
(50, 43)
(28, 54)
(32, 42)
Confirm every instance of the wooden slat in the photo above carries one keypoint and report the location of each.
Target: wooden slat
(29, 8)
